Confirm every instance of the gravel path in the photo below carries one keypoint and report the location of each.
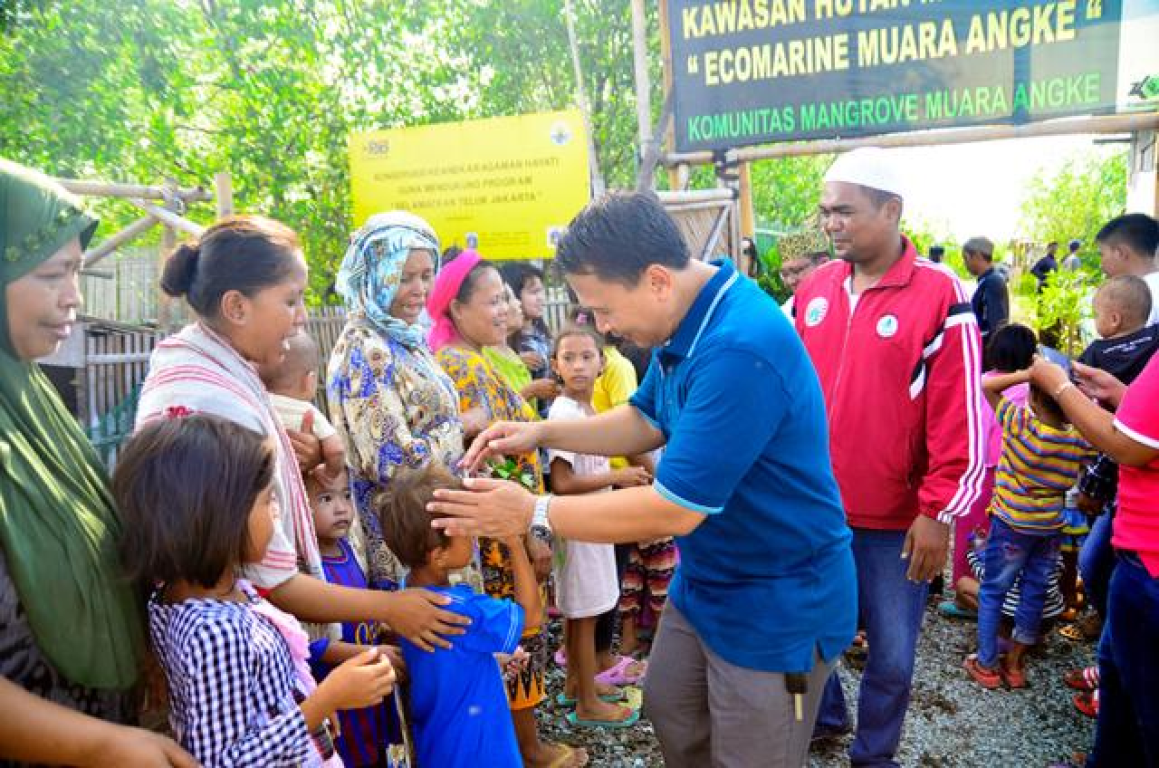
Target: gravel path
(952, 723)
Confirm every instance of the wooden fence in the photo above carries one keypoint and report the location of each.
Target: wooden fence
(113, 360)
(111, 363)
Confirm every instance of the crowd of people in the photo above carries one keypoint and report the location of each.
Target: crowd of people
(718, 496)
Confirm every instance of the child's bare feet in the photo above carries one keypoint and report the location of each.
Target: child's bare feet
(550, 755)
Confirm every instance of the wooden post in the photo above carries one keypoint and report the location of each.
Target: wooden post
(674, 178)
(223, 191)
(597, 178)
(747, 219)
(164, 308)
(1143, 173)
(643, 82)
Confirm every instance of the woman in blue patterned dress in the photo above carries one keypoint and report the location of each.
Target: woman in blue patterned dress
(389, 400)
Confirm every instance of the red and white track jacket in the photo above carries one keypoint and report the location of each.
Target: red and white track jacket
(901, 376)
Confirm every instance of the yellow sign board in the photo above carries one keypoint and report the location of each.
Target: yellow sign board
(507, 186)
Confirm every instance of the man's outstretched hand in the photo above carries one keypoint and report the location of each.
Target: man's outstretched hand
(489, 507)
(503, 438)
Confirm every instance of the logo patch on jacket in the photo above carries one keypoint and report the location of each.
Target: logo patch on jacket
(816, 311)
(887, 326)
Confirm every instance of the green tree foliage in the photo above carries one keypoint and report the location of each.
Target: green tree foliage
(154, 90)
(1076, 201)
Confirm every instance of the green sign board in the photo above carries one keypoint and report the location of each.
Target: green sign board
(758, 71)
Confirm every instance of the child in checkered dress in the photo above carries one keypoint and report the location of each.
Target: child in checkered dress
(196, 496)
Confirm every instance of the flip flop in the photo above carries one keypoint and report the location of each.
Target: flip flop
(618, 674)
(632, 718)
(1087, 702)
(990, 679)
(1013, 678)
(561, 658)
(1072, 632)
(563, 700)
(1085, 679)
(952, 610)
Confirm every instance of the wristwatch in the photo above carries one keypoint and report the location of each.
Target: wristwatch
(540, 524)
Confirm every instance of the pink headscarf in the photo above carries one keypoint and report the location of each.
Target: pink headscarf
(447, 284)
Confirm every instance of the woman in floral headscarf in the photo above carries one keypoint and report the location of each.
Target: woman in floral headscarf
(389, 400)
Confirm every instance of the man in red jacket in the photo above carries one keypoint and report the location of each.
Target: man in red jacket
(897, 349)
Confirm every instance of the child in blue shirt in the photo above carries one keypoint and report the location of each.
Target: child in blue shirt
(458, 701)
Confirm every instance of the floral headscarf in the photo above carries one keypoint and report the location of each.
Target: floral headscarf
(372, 268)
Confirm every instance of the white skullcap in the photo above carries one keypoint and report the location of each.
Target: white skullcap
(867, 167)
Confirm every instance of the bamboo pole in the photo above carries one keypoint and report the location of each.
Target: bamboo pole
(675, 181)
(169, 218)
(137, 228)
(139, 191)
(164, 307)
(643, 83)
(1062, 127)
(597, 178)
(747, 219)
(223, 189)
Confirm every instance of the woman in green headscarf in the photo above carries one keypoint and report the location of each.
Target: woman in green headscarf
(70, 631)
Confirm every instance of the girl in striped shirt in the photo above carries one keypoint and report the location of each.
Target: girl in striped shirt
(1042, 455)
(196, 496)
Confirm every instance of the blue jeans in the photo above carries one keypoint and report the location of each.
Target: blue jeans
(1128, 727)
(1097, 561)
(1007, 554)
(891, 609)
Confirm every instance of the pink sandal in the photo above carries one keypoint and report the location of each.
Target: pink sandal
(621, 672)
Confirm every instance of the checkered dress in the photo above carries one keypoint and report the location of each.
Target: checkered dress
(233, 692)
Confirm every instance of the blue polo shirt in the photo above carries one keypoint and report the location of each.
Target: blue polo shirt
(768, 577)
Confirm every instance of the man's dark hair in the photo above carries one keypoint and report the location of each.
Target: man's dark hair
(1011, 348)
(618, 236)
(185, 488)
(403, 516)
(1138, 231)
(979, 246)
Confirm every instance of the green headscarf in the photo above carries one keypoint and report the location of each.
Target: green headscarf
(58, 527)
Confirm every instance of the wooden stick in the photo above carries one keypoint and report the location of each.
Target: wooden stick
(112, 189)
(223, 186)
(138, 227)
(643, 82)
(169, 218)
(1062, 127)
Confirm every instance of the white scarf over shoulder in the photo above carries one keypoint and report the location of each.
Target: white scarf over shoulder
(197, 371)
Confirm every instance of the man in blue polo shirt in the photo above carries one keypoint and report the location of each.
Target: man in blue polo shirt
(764, 598)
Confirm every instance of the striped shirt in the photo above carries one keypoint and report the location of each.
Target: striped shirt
(1039, 464)
(233, 693)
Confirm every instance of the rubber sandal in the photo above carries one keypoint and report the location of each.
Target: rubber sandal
(952, 610)
(1014, 679)
(560, 658)
(989, 679)
(627, 722)
(1072, 632)
(1085, 679)
(563, 700)
(1087, 702)
(619, 674)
